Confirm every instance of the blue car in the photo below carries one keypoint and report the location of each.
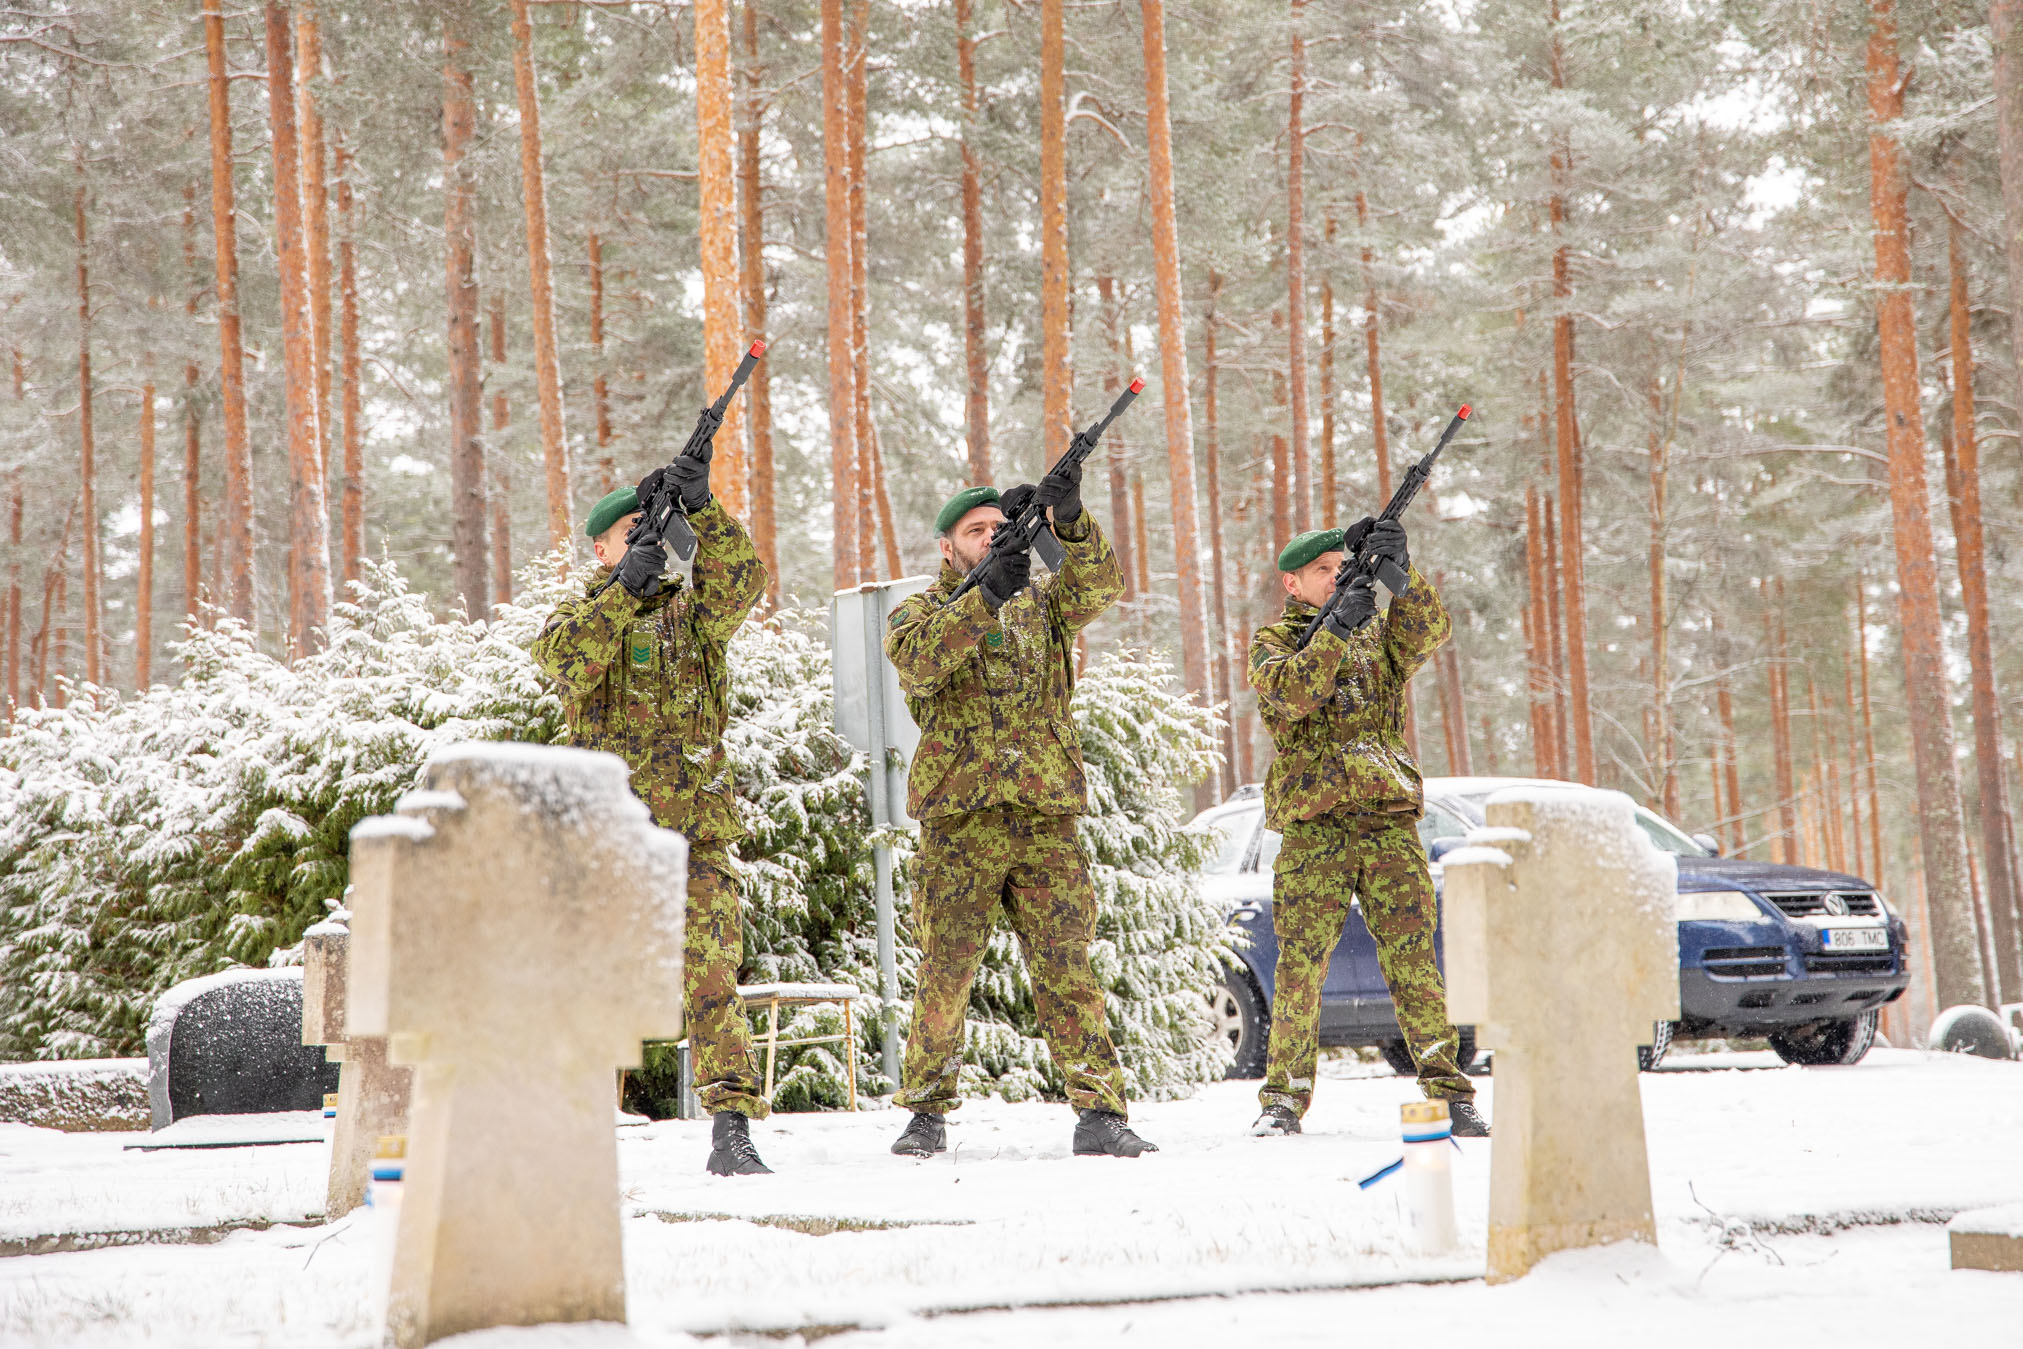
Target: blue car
(1800, 956)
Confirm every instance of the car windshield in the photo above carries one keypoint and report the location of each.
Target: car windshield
(1667, 836)
(1232, 828)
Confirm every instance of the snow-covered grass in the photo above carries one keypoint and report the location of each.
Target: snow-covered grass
(1804, 1204)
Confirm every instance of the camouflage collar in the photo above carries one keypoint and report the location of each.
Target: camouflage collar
(1296, 607)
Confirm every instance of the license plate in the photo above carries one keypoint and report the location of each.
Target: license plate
(1856, 939)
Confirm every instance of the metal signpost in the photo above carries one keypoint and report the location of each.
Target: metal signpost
(871, 714)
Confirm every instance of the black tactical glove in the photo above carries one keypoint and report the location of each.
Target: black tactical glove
(691, 481)
(1016, 499)
(1004, 574)
(650, 484)
(1357, 607)
(639, 570)
(1387, 540)
(1061, 492)
(1352, 537)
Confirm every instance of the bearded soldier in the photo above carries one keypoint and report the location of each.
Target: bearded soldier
(1345, 796)
(642, 669)
(996, 784)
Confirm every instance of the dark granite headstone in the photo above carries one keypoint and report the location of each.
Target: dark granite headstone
(231, 1044)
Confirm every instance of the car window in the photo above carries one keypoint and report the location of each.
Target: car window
(1234, 828)
(1437, 823)
(1268, 841)
(1666, 836)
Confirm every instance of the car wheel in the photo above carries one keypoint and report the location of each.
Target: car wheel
(1826, 1043)
(1399, 1056)
(1651, 1055)
(1237, 1009)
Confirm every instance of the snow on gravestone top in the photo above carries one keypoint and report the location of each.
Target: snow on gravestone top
(231, 1044)
(517, 938)
(1562, 951)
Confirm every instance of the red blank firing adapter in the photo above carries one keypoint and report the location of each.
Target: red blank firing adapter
(1137, 386)
(1463, 413)
(758, 349)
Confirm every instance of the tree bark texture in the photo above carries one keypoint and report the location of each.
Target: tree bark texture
(352, 507)
(1123, 538)
(836, 244)
(1058, 389)
(752, 239)
(94, 617)
(471, 574)
(1185, 519)
(1556, 642)
(1941, 826)
(856, 57)
(600, 388)
(1963, 472)
(308, 516)
(1567, 434)
(1538, 674)
(193, 536)
(316, 217)
(1296, 276)
(1724, 703)
(499, 460)
(144, 581)
(976, 354)
(1225, 693)
(722, 301)
(235, 538)
(540, 281)
(887, 534)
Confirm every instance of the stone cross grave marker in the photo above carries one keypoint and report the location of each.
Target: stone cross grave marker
(1562, 951)
(372, 1093)
(516, 931)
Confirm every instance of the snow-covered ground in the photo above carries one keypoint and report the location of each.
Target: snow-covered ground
(1791, 1202)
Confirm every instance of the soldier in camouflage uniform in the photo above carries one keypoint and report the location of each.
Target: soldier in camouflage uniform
(643, 674)
(1345, 796)
(996, 785)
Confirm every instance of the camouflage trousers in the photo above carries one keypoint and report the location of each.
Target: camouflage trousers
(1031, 865)
(712, 948)
(1321, 866)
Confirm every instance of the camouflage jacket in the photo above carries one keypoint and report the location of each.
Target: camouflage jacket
(990, 691)
(1336, 711)
(648, 679)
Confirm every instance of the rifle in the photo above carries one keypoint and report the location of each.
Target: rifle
(661, 517)
(1029, 527)
(1382, 568)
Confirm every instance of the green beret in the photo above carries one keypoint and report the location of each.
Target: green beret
(616, 507)
(961, 504)
(1309, 546)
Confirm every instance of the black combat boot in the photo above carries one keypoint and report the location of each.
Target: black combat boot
(730, 1147)
(925, 1135)
(1099, 1133)
(1277, 1121)
(1468, 1122)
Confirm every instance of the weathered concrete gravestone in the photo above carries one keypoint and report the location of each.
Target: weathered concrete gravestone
(231, 1044)
(1562, 950)
(516, 931)
(372, 1094)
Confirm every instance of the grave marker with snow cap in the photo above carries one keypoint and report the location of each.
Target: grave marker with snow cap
(372, 1093)
(231, 1044)
(1562, 950)
(516, 931)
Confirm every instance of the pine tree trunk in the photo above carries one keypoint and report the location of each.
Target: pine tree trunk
(1326, 473)
(499, 460)
(1058, 387)
(87, 470)
(600, 389)
(1538, 677)
(1453, 709)
(1963, 472)
(471, 573)
(1941, 826)
(144, 582)
(836, 243)
(541, 285)
(53, 593)
(1143, 548)
(976, 353)
(1225, 692)
(193, 537)
(1123, 538)
(857, 69)
(1730, 756)
(1875, 825)
(316, 214)
(1572, 566)
(1380, 431)
(1296, 276)
(1556, 644)
(894, 566)
(235, 538)
(308, 516)
(1780, 726)
(752, 240)
(352, 515)
(1184, 519)
(722, 298)
(2007, 33)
